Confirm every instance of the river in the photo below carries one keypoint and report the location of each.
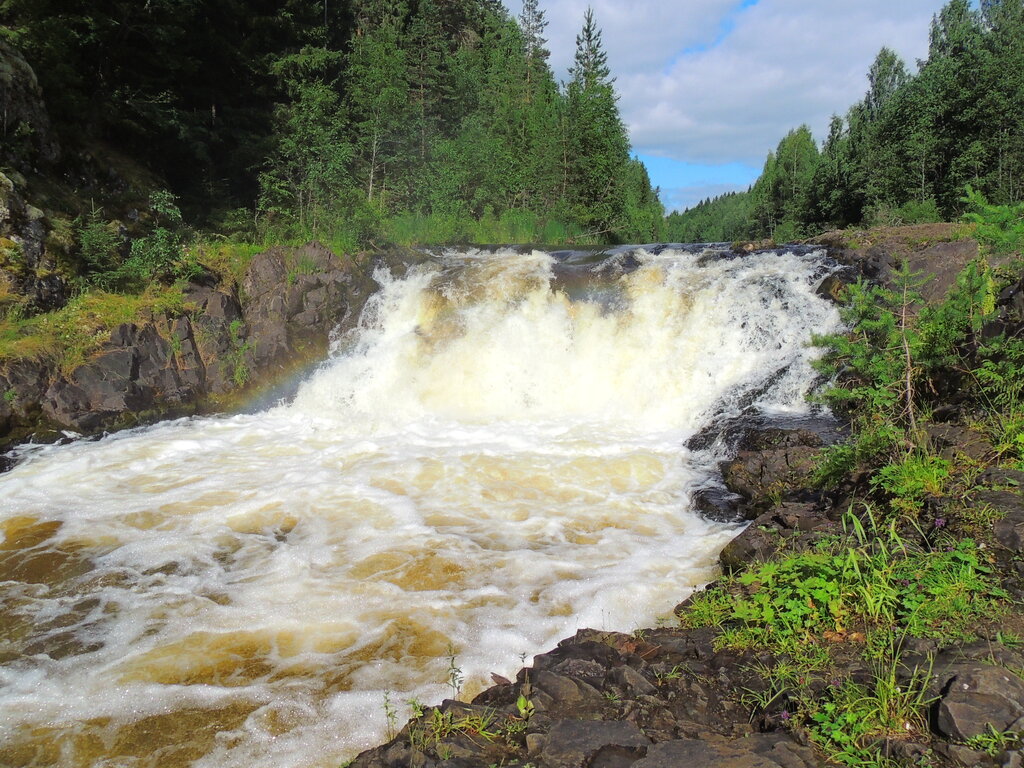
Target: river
(492, 460)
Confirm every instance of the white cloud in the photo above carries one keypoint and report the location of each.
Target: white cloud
(709, 81)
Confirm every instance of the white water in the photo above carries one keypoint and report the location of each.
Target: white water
(489, 466)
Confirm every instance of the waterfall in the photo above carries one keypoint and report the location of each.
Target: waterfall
(492, 460)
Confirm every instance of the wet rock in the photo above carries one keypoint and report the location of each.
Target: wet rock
(772, 464)
(294, 298)
(832, 287)
(979, 697)
(718, 504)
(579, 743)
(758, 541)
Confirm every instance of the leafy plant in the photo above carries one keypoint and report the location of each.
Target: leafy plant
(912, 478)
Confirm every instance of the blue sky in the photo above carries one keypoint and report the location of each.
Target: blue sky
(708, 87)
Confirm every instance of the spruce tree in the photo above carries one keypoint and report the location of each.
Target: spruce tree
(597, 145)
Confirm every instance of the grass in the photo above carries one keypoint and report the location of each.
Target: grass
(70, 335)
(867, 590)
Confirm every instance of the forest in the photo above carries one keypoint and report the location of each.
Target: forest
(906, 153)
(360, 122)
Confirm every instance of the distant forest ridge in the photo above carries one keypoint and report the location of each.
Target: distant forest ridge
(906, 153)
(303, 117)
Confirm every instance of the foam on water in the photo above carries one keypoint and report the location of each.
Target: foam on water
(492, 463)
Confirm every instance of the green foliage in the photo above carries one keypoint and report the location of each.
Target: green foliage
(905, 153)
(1000, 227)
(722, 219)
(993, 742)
(877, 583)
(850, 717)
(911, 479)
(99, 242)
(235, 360)
(877, 359)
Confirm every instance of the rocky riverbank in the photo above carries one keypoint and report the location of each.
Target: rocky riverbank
(224, 345)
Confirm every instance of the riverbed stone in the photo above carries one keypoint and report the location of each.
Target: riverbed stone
(575, 743)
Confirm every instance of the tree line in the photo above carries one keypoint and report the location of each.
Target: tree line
(301, 117)
(907, 152)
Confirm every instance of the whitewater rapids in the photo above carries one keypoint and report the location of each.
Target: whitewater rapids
(494, 459)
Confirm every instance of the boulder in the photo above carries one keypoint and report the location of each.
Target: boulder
(772, 464)
(978, 697)
(954, 440)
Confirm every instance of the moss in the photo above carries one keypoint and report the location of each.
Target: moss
(70, 335)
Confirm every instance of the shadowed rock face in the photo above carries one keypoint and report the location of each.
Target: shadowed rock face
(24, 121)
(292, 300)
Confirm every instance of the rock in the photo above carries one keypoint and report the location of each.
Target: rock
(134, 374)
(28, 138)
(717, 504)
(758, 541)
(22, 386)
(832, 287)
(294, 298)
(769, 475)
(978, 697)
(577, 743)
(999, 477)
(1009, 529)
(552, 692)
(769, 750)
(962, 755)
(953, 440)
(631, 682)
(27, 263)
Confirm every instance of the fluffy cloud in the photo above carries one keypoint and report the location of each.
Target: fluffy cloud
(716, 81)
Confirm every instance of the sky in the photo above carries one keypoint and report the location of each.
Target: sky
(708, 87)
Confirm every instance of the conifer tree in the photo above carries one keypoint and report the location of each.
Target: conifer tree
(598, 148)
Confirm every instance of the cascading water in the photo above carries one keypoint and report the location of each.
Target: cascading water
(494, 460)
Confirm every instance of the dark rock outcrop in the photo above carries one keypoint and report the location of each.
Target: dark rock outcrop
(294, 298)
(28, 255)
(206, 358)
(772, 464)
(977, 698)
